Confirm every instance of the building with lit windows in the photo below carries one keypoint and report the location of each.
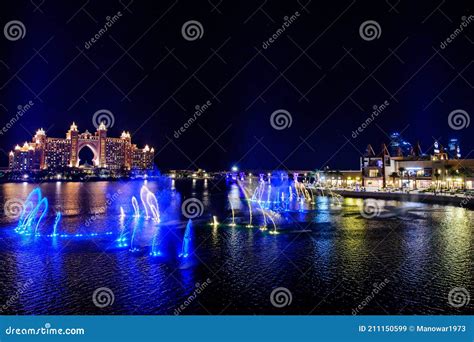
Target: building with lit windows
(413, 169)
(48, 153)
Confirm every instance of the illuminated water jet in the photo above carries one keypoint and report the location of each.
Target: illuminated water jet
(33, 213)
(232, 224)
(154, 252)
(136, 208)
(153, 205)
(186, 247)
(122, 241)
(28, 208)
(56, 222)
(143, 194)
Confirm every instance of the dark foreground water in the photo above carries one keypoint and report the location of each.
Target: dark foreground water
(330, 259)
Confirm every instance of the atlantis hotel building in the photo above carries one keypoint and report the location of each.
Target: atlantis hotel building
(47, 153)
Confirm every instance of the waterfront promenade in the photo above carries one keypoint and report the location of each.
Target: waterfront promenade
(461, 200)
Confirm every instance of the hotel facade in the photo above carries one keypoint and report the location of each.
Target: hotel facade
(48, 153)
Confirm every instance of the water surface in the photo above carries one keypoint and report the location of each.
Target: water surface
(326, 254)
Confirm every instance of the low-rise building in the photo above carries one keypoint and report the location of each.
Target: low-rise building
(439, 169)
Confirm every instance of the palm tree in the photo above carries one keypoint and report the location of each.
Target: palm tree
(414, 178)
(453, 173)
(437, 175)
(465, 173)
(394, 175)
(338, 174)
(448, 171)
(402, 172)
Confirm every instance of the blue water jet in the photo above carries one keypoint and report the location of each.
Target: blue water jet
(136, 208)
(34, 211)
(143, 194)
(186, 247)
(56, 222)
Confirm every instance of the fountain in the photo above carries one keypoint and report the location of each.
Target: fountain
(135, 207)
(248, 201)
(186, 248)
(33, 213)
(154, 252)
(122, 240)
(153, 205)
(143, 193)
(233, 214)
(56, 222)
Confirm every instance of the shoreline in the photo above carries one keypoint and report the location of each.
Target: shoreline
(462, 202)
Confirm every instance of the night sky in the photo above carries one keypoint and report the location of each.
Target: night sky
(320, 70)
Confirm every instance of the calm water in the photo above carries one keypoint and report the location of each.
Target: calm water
(327, 255)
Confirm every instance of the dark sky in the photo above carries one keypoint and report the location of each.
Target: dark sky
(319, 70)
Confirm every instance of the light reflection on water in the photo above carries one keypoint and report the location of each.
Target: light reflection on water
(328, 255)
